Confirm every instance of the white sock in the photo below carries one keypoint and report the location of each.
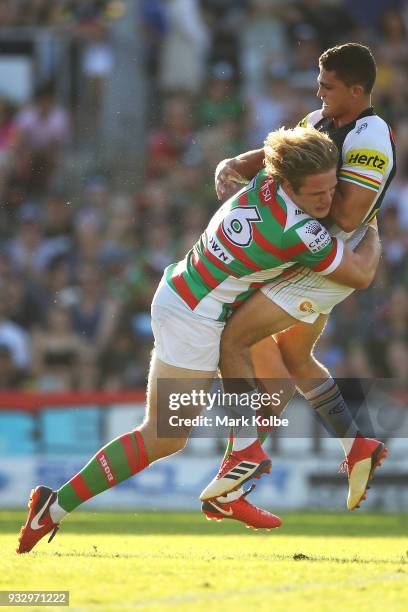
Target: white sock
(245, 432)
(56, 512)
(346, 443)
(240, 443)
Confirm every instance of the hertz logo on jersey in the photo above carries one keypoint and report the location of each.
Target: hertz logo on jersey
(366, 158)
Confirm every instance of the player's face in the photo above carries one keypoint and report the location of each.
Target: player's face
(316, 193)
(335, 95)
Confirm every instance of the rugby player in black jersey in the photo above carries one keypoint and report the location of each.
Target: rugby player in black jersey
(365, 170)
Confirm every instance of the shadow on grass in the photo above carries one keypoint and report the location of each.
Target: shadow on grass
(179, 523)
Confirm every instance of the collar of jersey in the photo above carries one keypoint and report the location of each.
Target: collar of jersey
(291, 217)
(367, 112)
(282, 193)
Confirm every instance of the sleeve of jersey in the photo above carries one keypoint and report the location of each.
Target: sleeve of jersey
(316, 248)
(364, 164)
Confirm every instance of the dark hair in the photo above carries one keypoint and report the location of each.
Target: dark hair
(353, 63)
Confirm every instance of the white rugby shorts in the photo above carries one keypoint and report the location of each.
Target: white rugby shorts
(181, 337)
(187, 340)
(304, 294)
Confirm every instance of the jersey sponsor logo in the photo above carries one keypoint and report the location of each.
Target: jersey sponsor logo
(313, 227)
(362, 127)
(306, 306)
(265, 193)
(367, 158)
(237, 225)
(219, 251)
(314, 235)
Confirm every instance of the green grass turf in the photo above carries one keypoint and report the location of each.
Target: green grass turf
(179, 561)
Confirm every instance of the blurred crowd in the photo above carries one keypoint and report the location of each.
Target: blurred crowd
(77, 272)
(54, 13)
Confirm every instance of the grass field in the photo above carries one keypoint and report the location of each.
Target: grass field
(157, 561)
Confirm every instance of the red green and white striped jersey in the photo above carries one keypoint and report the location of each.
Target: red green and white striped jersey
(253, 237)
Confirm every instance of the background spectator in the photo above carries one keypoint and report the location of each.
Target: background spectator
(57, 350)
(86, 228)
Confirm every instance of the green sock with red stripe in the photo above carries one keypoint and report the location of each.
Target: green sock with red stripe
(117, 461)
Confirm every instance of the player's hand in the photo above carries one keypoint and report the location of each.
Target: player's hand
(227, 180)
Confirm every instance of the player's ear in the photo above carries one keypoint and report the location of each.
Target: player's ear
(287, 187)
(357, 91)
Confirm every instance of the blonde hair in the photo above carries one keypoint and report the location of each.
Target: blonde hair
(295, 154)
